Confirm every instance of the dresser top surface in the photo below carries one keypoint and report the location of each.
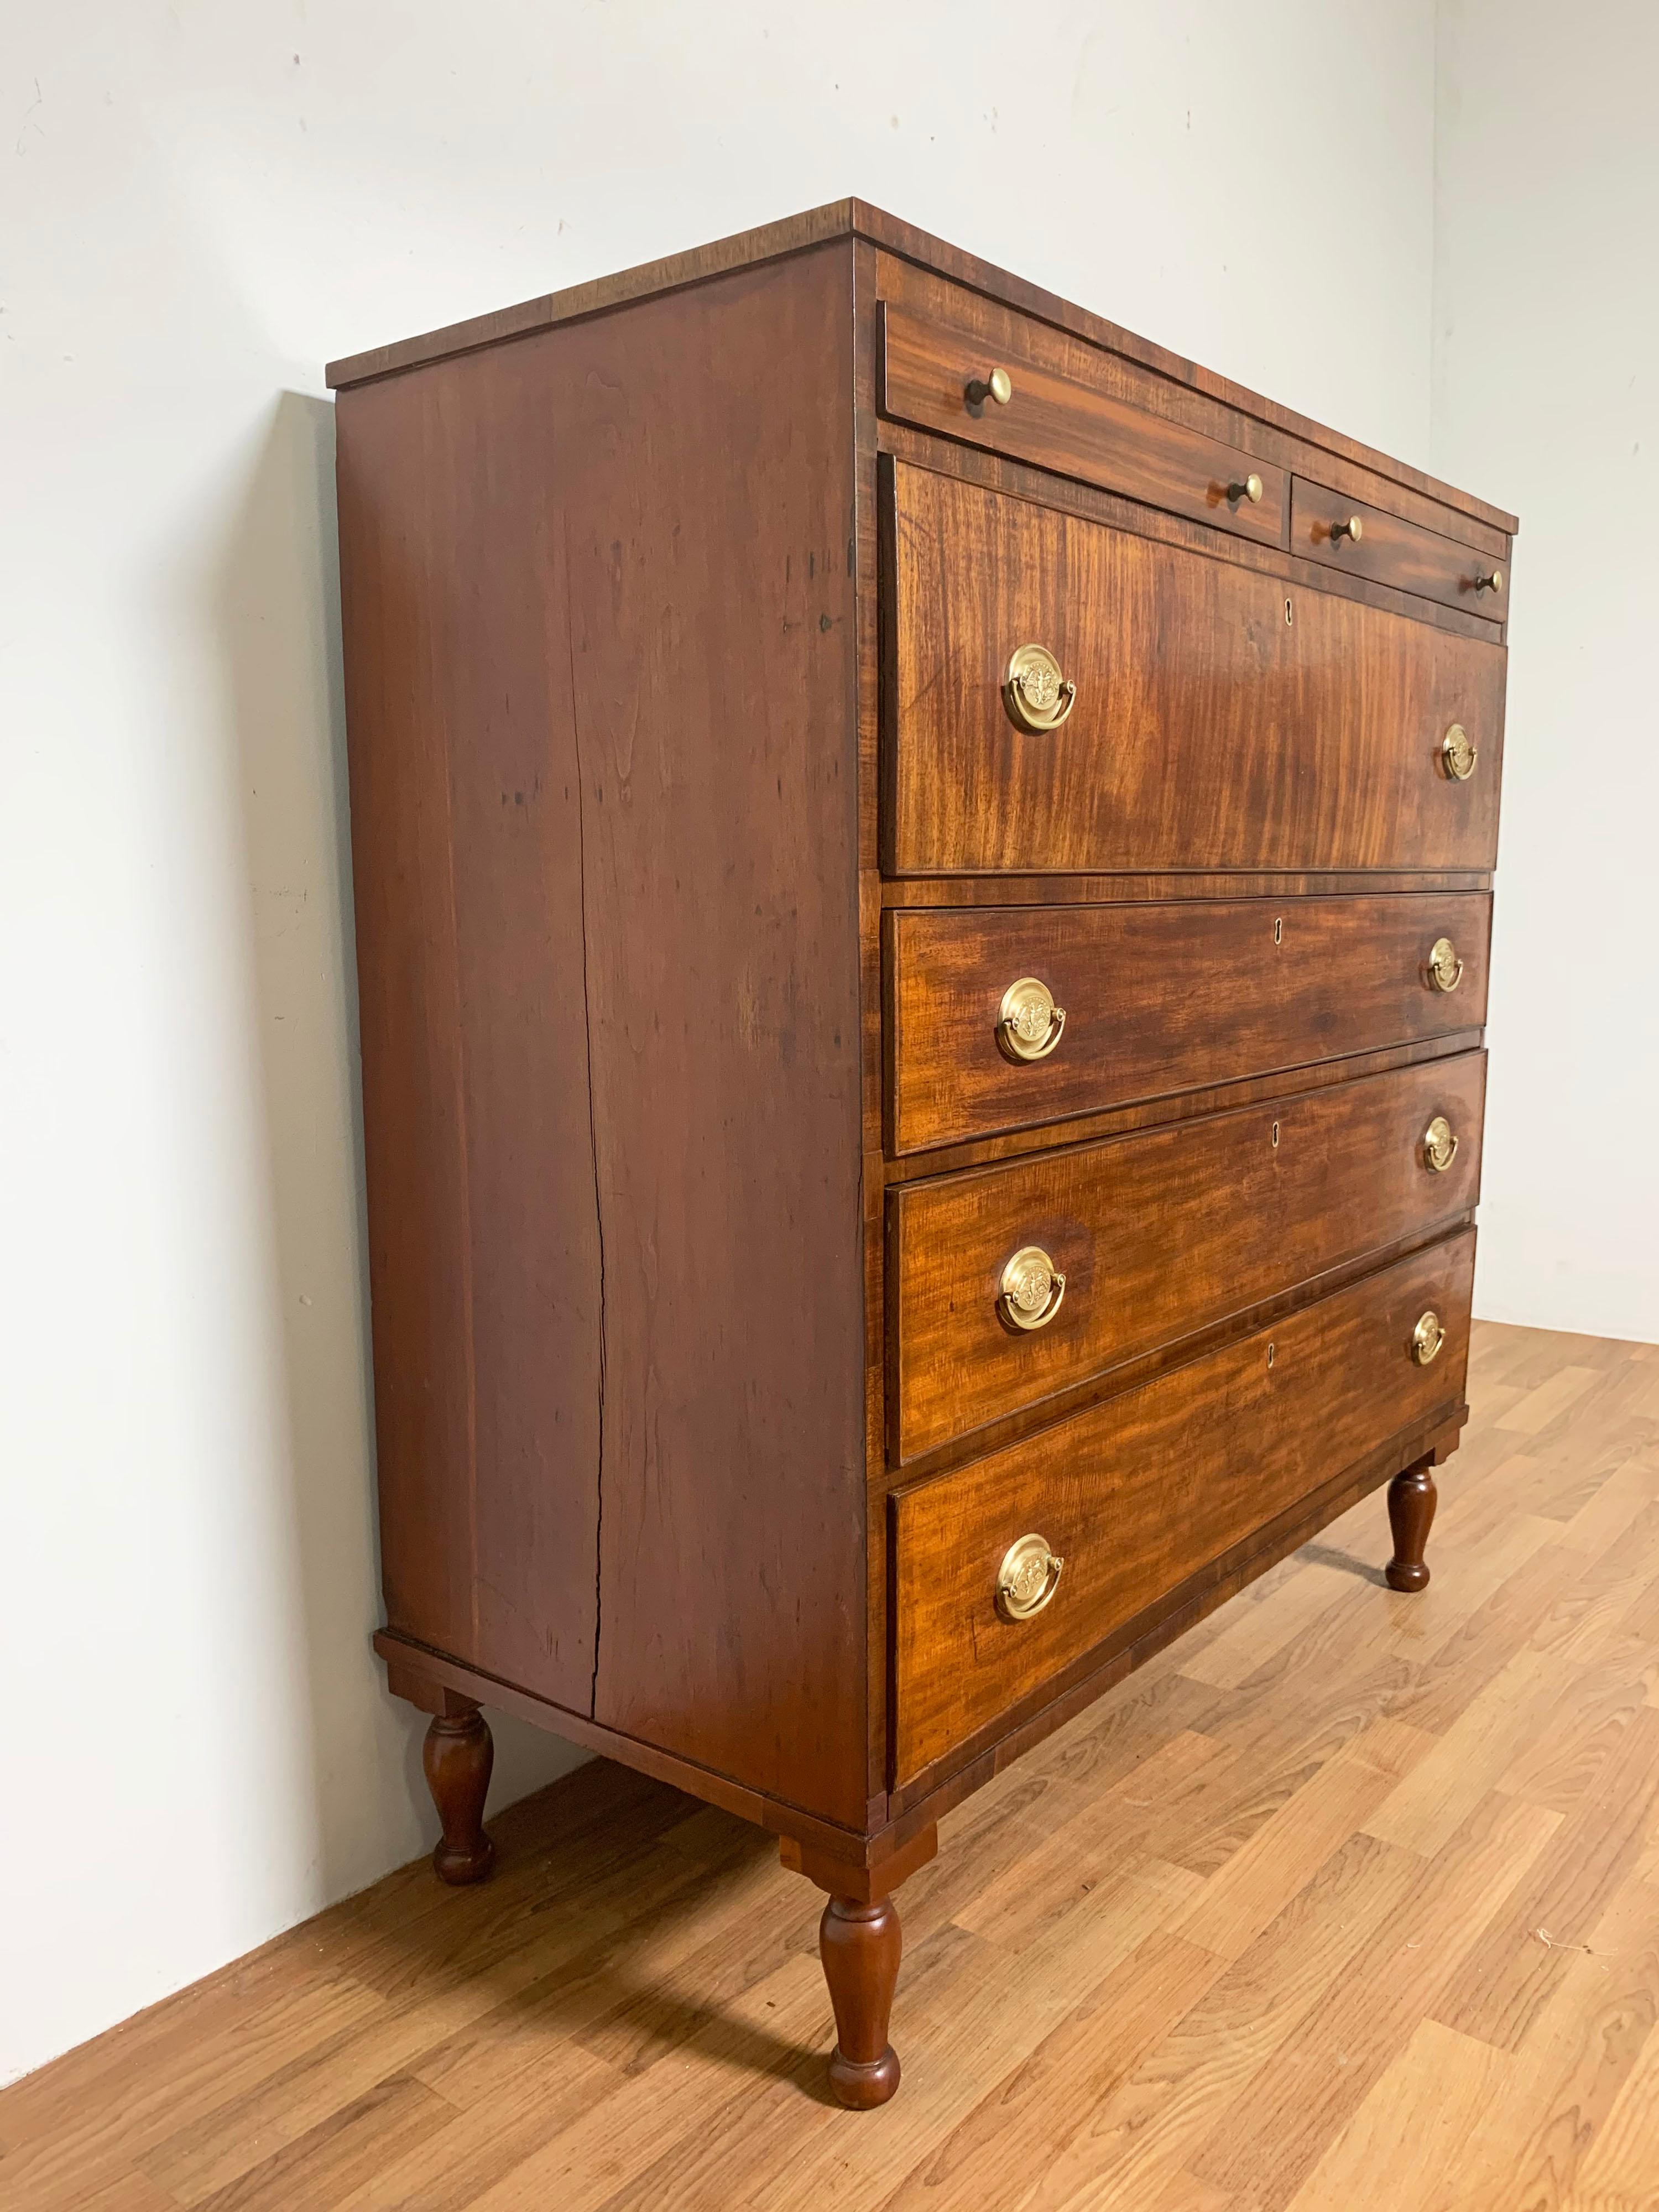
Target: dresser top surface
(856, 218)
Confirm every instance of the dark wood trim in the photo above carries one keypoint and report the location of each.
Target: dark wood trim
(850, 218)
(1122, 889)
(441, 1672)
(1176, 1106)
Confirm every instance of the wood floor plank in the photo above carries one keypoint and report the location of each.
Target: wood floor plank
(1412, 2128)
(1236, 1939)
(1318, 2076)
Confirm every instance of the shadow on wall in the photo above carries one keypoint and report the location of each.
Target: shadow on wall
(278, 615)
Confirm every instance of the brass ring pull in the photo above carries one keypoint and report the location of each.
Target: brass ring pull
(1031, 1289)
(1248, 488)
(1439, 1145)
(1427, 1338)
(1028, 1577)
(1350, 525)
(1036, 693)
(1457, 755)
(998, 385)
(1445, 970)
(1028, 1023)
(1491, 581)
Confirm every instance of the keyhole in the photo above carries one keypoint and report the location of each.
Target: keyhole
(1287, 614)
(1279, 929)
(1273, 1353)
(1275, 1136)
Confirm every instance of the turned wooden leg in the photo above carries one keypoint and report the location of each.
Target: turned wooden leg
(1412, 1500)
(458, 1758)
(859, 1945)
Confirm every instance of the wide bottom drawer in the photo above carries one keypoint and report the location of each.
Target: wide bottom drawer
(1009, 1569)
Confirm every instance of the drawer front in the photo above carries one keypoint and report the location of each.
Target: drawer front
(1160, 997)
(1158, 1235)
(1219, 719)
(941, 378)
(1136, 1495)
(1388, 550)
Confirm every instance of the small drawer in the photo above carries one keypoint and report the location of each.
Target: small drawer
(1015, 1282)
(1347, 535)
(1158, 998)
(944, 380)
(1065, 697)
(1009, 1570)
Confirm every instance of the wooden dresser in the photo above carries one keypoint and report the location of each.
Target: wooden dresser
(922, 875)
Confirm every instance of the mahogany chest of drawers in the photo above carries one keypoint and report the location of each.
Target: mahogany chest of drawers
(922, 877)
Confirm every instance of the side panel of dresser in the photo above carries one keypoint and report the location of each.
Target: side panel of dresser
(482, 1234)
(659, 1030)
(707, 484)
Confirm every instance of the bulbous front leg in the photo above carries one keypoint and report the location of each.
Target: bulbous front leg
(859, 1945)
(457, 1756)
(1412, 1500)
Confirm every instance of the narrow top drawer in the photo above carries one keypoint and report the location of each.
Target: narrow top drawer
(1346, 534)
(945, 379)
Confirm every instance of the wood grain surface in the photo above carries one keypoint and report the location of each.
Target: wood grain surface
(1223, 719)
(484, 1239)
(1347, 1898)
(1140, 1491)
(706, 496)
(850, 219)
(1393, 551)
(929, 370)
(1160, 1235)
(1160, 997)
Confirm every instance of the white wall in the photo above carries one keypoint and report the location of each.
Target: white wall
(1547, 399)
(202, 204)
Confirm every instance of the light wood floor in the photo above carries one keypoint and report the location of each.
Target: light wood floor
(1350, 1901)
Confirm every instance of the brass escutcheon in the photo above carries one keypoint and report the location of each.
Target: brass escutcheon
(1439, 1144)
(1427, 1338)
(1028, 1577)
(1445, 970)
(1457, 755)
(1036, 695)
(1028, 1023)
(1031, 1289)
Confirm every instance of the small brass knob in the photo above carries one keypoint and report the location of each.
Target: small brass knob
(1445, 970)
(1031, 1289)
(1351, 525)
(1028, 1023)
(1439, 1145)
(1457, 753)
(1491, 581)
(1427, 1338)
(1036, 693)
(1028, 1577)
(1249, 489)
(998, 385)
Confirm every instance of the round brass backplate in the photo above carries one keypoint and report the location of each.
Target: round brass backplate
(1028, 1023)
(1028, 1577)
(1457, 753)
(1034, 690)
(1031, 1289)
(1445, 970)
(1439, 1144)
(1427, 1338)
